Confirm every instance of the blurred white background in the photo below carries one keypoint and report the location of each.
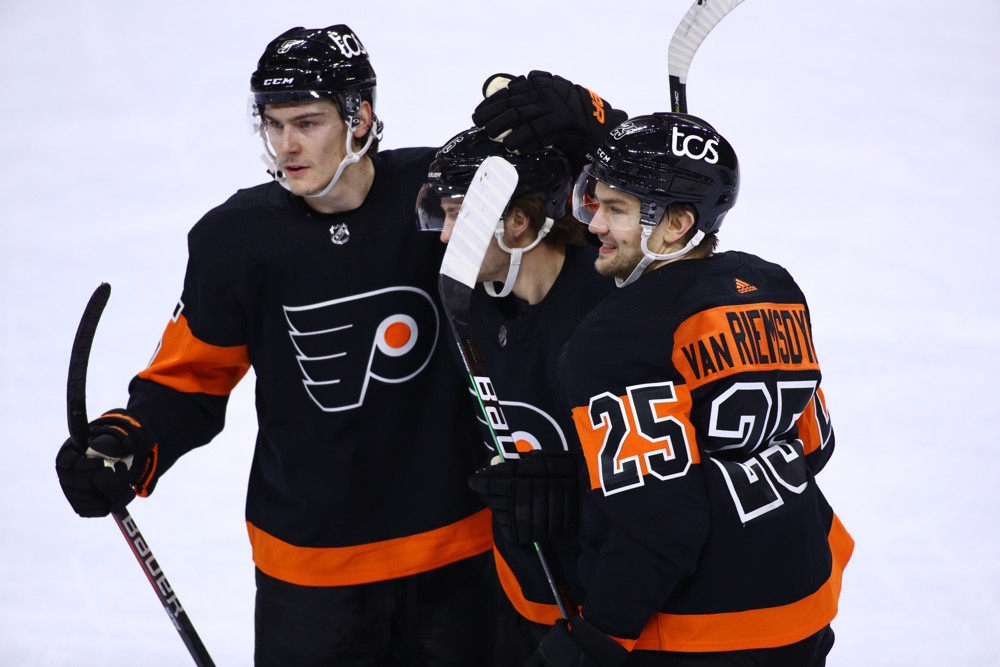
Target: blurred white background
(868, 135)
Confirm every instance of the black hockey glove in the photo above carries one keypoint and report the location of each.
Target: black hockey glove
(101, 476)
(577, 643)
(534, 498)
(528, 113)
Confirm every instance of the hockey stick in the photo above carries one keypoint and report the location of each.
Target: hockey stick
(76, 411)
(483, 207)
(690, 33)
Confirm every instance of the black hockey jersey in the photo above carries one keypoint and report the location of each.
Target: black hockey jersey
(696, 397)
(520, 346)
(365, 433)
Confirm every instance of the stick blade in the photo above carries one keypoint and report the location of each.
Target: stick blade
(482, 208)
(700, 19)
(76, 382)
(692, 31)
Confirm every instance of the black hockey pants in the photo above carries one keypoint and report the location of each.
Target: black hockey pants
(445, 617)
(810, 652)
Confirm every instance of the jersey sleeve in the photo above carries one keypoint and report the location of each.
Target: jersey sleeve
(647, 499)
(201, 357)
(816, 433)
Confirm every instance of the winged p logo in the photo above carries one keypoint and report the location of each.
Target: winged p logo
(343, 345)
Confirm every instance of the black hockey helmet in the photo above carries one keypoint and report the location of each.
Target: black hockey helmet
(545, 171)
(661, 159)
(305, 64)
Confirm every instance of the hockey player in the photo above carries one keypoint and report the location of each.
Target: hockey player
(538, 281)
(695, 390)
(370, 549)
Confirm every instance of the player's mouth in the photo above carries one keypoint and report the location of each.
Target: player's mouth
(294, 169)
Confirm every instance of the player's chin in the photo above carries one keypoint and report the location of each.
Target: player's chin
(605, 266)
(303, 187)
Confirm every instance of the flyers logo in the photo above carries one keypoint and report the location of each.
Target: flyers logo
(533, 428)
(287, 46)
(341, 346)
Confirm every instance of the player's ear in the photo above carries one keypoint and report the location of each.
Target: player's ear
(518, 222)
(676, 225)
(365, 116)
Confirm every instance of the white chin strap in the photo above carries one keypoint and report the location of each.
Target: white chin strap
(515, 258)
(649, 257)
(271, 160)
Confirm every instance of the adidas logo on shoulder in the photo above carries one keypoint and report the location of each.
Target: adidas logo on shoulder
(743, 287)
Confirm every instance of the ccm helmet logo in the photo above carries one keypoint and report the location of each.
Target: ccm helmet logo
(693, 146)
(278, 82)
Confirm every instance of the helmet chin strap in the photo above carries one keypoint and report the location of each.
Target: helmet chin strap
(648, 257)
(350, 157)
(515, 258)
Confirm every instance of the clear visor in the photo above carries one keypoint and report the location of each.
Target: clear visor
(254, 120)
(437, 206)
(584, 199)
(604, 205)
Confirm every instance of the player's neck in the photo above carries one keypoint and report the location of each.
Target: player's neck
(539, 269)
(349, 192)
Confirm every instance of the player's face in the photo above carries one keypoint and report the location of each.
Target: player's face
(450, 206)
(496, 261)
(309, 139)
(616, 224)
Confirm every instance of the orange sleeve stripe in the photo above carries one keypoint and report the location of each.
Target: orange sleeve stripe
(546, 614)
(378, 561)
(187, 364)
(809, 431)
(756, 628)
(592, 438)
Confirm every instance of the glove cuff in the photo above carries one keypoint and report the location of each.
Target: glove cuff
(136, 445)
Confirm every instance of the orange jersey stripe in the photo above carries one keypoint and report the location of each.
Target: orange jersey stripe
(733, 339)
(809, 431)
(187, 364)
(378, 561)
(755, 628)
(546, 614)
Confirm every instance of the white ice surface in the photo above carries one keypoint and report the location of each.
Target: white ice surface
(868, 135)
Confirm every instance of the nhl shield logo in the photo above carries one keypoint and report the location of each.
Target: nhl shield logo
(340, 234)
